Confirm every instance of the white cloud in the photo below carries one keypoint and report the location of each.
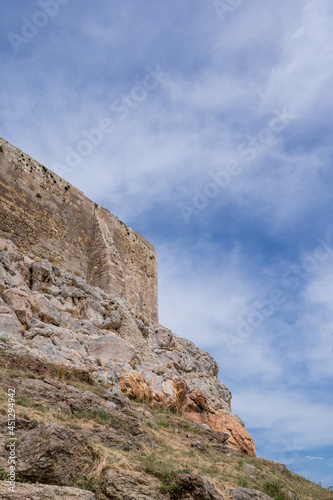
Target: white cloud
(287, 415)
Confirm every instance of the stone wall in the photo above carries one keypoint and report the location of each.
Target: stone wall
(45, 216)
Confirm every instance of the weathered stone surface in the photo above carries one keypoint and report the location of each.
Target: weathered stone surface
(164, 338)
(18, 301)
(52, 454)
(24, 491)
(194, 487)
(57, 316)
(246, 494)
(113, 322)
(111, 347)
(125, 485)
(240, 439)
(10, 327)
(135, 387)
(122, 430)
(42, 277)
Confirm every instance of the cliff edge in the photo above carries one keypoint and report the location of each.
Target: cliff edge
(57, 316)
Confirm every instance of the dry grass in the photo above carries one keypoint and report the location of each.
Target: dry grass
(174, 453)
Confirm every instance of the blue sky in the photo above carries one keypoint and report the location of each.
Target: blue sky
(207, 127)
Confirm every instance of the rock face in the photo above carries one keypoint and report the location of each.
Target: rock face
(54, 455)
(101, 316)
(57, 316)
(118, 485)
(246, 494)
(43, 492)
(48, 218)
(239, 439)
(194, 487)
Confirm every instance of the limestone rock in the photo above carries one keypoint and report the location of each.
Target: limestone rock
(42, 277)
(164, 338)
(135, 387)
(52, 454)
(25, 491)
(112, 322)
(246, 494)
(28, 305)
(251, 470)
(10, 327)
(112, 347)
(120, 485)
(194, 487)
(56, 316)
(18, 301)
(240, 439)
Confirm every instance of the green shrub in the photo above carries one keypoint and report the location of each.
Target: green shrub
(274, 489)
(3, 475)
(24, 401)
(168, 476)
(87, 484)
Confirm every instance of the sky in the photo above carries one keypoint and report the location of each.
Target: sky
(206, 127)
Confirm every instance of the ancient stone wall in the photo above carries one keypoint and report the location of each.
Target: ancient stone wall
(47, 217)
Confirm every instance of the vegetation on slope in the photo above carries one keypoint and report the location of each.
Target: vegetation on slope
(170, 444)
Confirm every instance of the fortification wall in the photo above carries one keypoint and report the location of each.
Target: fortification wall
(45, 216)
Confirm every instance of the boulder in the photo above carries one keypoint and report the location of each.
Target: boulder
(52, 454)
(43, 309)
(194, 487)
(112, 322)
(42, 277)
(119, 485)
(18, 301)
(10, 327)
(135, 386)
(25, 491)
(164, 338)
(246, 494)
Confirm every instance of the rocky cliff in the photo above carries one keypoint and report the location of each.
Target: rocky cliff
(112, 330)
(57, 316)
(110, 407)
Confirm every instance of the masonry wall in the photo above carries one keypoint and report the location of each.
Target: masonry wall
(47, 217)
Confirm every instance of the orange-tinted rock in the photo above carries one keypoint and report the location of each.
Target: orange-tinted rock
(197, 409)
(240, 439)
(200, 400)
(180, 392)
(135, 386)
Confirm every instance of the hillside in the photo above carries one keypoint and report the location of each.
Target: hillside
(112, 405)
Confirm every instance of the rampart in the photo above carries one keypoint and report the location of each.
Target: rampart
(47, 217)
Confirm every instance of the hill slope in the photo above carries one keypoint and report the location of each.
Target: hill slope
(110, 405)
